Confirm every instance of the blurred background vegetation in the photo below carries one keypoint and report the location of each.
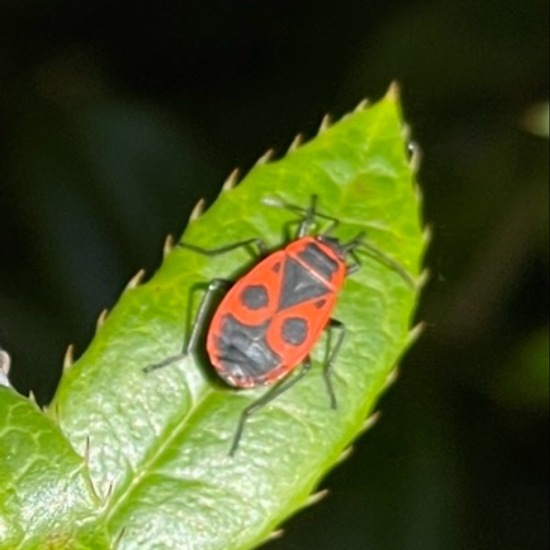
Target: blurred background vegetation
(116, 116)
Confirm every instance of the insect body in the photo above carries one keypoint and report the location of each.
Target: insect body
(269, 321)
(271, 318)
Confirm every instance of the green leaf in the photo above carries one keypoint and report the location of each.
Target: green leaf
(159, 442)
(46, 496)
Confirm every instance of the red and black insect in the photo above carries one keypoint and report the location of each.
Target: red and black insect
(270, 319)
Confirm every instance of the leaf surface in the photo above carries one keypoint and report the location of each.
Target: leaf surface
(158, 442)
(46, 496)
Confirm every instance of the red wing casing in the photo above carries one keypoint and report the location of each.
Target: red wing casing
(271, 318)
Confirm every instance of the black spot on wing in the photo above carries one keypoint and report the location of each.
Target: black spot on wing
(277, 267)
(298, 285)
(320, 303)
(294, 331)
(255, 297)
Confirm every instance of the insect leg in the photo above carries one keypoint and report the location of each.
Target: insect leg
(269, 396)
(307, 221)
(355, 266)
(248, 243)
(332, 353)
(164, 362)
(308, 215)
(202, 315)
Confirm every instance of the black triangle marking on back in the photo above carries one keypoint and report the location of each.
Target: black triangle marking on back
(298, 285)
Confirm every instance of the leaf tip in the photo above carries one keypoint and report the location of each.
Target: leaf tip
(428, 234)
(101, 318)
(68, 358)
(316, 497)
(32, 399)
(86, 459)
(325, 124)
(394, 92)
(370, 422)
(5, 362)
(274, 535)
(168, 246)
(136, 280)
(362, 105)
(231, 180)
(296, 143)
(415, 156)
(266, 157)
(391, 379)
(424, 278)
(416, 332)
(197, 211)
(344, 455)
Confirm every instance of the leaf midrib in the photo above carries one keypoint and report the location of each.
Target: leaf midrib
(205, 393)
(146, 466)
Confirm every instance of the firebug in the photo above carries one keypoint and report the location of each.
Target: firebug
(270, 319)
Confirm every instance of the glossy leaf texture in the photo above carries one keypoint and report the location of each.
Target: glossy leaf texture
(46, 496)
(157, 444)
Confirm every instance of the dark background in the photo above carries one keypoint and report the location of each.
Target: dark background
(116, 116)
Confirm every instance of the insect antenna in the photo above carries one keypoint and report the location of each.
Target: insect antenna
(376, 254)
(360, 244)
